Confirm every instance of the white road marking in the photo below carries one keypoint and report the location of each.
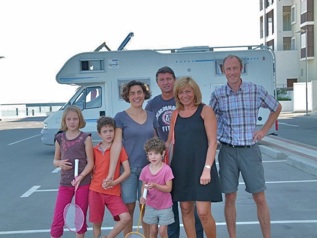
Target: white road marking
(286, 124)
(56, 170)
(274, 161)
(30, 191)
(272, 222)
(294, 181)
(36, 189)
(23, 139)
(135, 227)
(47, 190)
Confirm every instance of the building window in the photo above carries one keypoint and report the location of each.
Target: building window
(261, 28)
(293, 14)
(287, 26)
(303, 40)
(303, 6)
(307, 11)
(290, 83)
(307, 41)
(293, 43)
(310, 10)
(287, 43)
(269, 3)
(270, 23)
(270, 44)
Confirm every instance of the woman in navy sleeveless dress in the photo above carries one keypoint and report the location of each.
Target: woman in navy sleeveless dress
(196, 180)
(188, 162)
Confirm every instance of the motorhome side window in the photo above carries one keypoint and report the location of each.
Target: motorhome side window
(92, 65)
(219, 66)
(89, 98)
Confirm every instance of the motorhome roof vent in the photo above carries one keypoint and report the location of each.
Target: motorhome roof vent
(193, 49)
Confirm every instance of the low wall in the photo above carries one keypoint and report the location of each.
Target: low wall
(287, 106)
(21, 110)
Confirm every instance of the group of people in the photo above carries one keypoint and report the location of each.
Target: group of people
(130, 158)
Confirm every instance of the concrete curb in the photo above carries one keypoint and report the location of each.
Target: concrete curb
(303, 164)
(272, 152)
(296, 161)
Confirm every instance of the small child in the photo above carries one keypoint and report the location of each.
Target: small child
(71, 144)
(102, 193)
(157, 179)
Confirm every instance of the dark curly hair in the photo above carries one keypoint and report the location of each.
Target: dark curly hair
(126, 89)
(154, 144)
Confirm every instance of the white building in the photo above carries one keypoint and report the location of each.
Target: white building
(288, 27)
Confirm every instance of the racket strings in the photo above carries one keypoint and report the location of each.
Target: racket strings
(73, 214)
(74, 217)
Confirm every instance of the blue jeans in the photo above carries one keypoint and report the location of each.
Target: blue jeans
(131, 187)
(173, 229)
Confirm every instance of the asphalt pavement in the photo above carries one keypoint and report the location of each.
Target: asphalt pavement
(299, 155)
(290, 170)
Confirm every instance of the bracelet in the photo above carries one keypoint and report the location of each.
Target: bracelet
(207, 166)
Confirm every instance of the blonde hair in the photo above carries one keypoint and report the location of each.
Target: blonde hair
(184, 82)
(72, 108)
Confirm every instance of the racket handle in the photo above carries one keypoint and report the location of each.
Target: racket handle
(76, 168)
(144, 192)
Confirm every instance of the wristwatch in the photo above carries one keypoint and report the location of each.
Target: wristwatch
(207, 166)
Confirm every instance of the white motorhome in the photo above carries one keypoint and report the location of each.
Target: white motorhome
(101, 74)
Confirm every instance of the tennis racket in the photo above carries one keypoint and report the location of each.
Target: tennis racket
(137, 234)
(73, 214)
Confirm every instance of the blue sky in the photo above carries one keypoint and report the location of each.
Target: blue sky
(38, 36)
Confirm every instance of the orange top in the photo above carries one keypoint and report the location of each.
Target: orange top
(101, 168)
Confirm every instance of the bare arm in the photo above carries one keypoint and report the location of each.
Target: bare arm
(114, 153)
(142, 199)
(124, 175)
(90, 157)
(90, 162)
(166, 188)
(58, 162)
(210, 123)
(172, 126)
(258, 135)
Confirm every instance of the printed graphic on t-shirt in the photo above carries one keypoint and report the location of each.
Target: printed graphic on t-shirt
(163, 116)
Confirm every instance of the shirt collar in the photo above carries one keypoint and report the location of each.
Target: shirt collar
(101, 149)
(230, 91)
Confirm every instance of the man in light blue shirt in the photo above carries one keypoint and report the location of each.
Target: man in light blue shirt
(236, 106)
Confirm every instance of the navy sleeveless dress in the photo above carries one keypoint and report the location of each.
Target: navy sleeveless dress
(188, 162)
